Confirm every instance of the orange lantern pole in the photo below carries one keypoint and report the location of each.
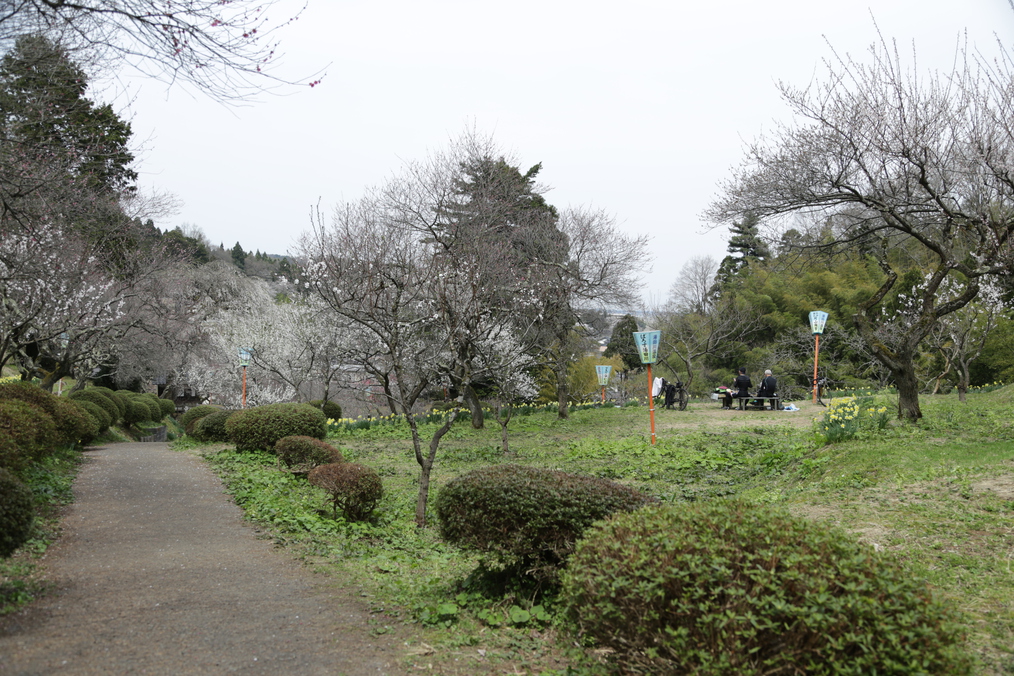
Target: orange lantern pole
(244, 361)
(647, 347)
(818, 320)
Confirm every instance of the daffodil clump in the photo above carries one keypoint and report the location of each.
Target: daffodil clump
(987, 388)
(847, 418)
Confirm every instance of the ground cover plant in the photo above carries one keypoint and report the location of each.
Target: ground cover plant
(937, 496)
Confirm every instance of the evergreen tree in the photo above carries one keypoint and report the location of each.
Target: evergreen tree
(45, 115)
(239, 256)
(621, 342)
(745, 246)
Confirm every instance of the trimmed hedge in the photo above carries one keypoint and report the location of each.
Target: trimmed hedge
(192, 415)
(166, 406)
(212, 427)
(118, 398)
(352, 488)
(527, 518)
(306, 452)
(137, 411)
(105, 401)
(31, 430)
(17, 513)
(260, 428)
(728, 587)
(330, 409)
(71, 423)
(97, 413)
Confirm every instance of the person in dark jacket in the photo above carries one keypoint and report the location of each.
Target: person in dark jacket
(742, 386)
(768, 386)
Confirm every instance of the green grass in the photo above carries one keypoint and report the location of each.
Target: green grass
(939, 495)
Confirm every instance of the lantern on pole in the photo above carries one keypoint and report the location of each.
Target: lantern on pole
(603, 374)
(244, 361)
(817, 321)
(647, 347)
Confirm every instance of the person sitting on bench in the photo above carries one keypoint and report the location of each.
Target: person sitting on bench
(768, 387)
(742, 385)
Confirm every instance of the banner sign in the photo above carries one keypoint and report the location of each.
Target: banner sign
(817, 321)
(647, 345)
(603, 373)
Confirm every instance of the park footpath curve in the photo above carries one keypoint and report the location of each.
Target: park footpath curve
(157, 573)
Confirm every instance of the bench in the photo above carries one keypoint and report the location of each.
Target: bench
(751, 402)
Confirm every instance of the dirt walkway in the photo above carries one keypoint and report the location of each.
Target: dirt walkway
(157, 574)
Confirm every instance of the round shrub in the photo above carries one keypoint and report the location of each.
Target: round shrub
(352, 488)
(151, 402)
(167, 407)
(260, 428)
(306, 452)
(71, 425)
(212, 427)
(17, 513)
(98, 414)
(192, 415)
(118, 398)
(330, 409)
(74, 423)
(525, 517)
(137, 411)
(99, 399)
(729, 587)
(30, 428)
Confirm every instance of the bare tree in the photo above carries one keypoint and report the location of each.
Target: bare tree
(229, 49)
(688, 336)
(694, 289)
(599, 267)
(910, 170)
(961, 336)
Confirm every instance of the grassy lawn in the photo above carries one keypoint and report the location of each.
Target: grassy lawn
(939, 495)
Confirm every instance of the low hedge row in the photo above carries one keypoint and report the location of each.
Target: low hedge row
(527, 518)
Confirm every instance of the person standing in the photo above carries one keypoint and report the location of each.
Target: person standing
(742, 386)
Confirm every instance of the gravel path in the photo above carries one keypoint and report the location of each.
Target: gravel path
(157, 573)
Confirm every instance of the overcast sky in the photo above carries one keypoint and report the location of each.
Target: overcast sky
(638, 108)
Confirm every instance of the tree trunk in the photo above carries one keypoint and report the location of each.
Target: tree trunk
(562, 392)
(474, 406)
(908, 391)
(426, 465)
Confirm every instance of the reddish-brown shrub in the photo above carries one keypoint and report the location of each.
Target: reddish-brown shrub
(353, 488)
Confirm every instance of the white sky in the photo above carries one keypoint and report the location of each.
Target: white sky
(639, 108)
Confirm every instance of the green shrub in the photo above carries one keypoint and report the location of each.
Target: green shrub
(192, 415)
(30, 428)
(74, 423)
(352, 488)
(167, 407)
(99, 399)
(151, 401)
(17, 512)
(260, 428)
(527, 518)
(118, 398)
(306, 452)
(728, 587)
(97, 413)
(330, 409)
(212, 427)
(137, 412)
(71, 424)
